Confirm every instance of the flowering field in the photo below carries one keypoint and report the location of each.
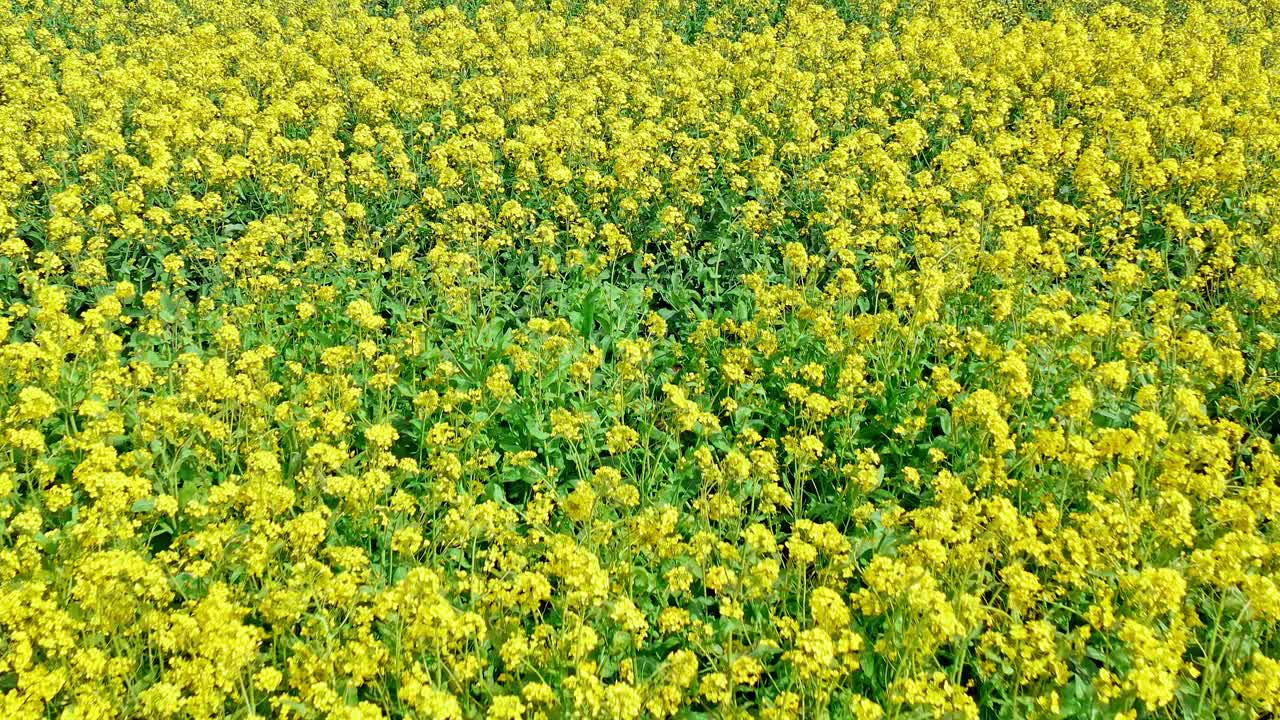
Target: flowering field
(639, 358)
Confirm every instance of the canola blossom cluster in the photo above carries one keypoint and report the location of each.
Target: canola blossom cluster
(620, 359)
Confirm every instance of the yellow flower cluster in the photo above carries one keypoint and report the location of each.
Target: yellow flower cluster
(636, 359)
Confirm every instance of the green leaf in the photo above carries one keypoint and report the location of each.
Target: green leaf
(944, 420)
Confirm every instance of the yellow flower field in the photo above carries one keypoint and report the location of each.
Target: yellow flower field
(636, 359)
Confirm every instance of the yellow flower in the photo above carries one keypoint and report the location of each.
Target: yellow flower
(506, 707)
(33, 406)
(381, 435)
(566, 425)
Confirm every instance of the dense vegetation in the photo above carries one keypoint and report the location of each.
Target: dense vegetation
(639, 358)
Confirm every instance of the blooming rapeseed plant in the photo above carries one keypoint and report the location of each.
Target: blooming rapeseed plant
(639, 358)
